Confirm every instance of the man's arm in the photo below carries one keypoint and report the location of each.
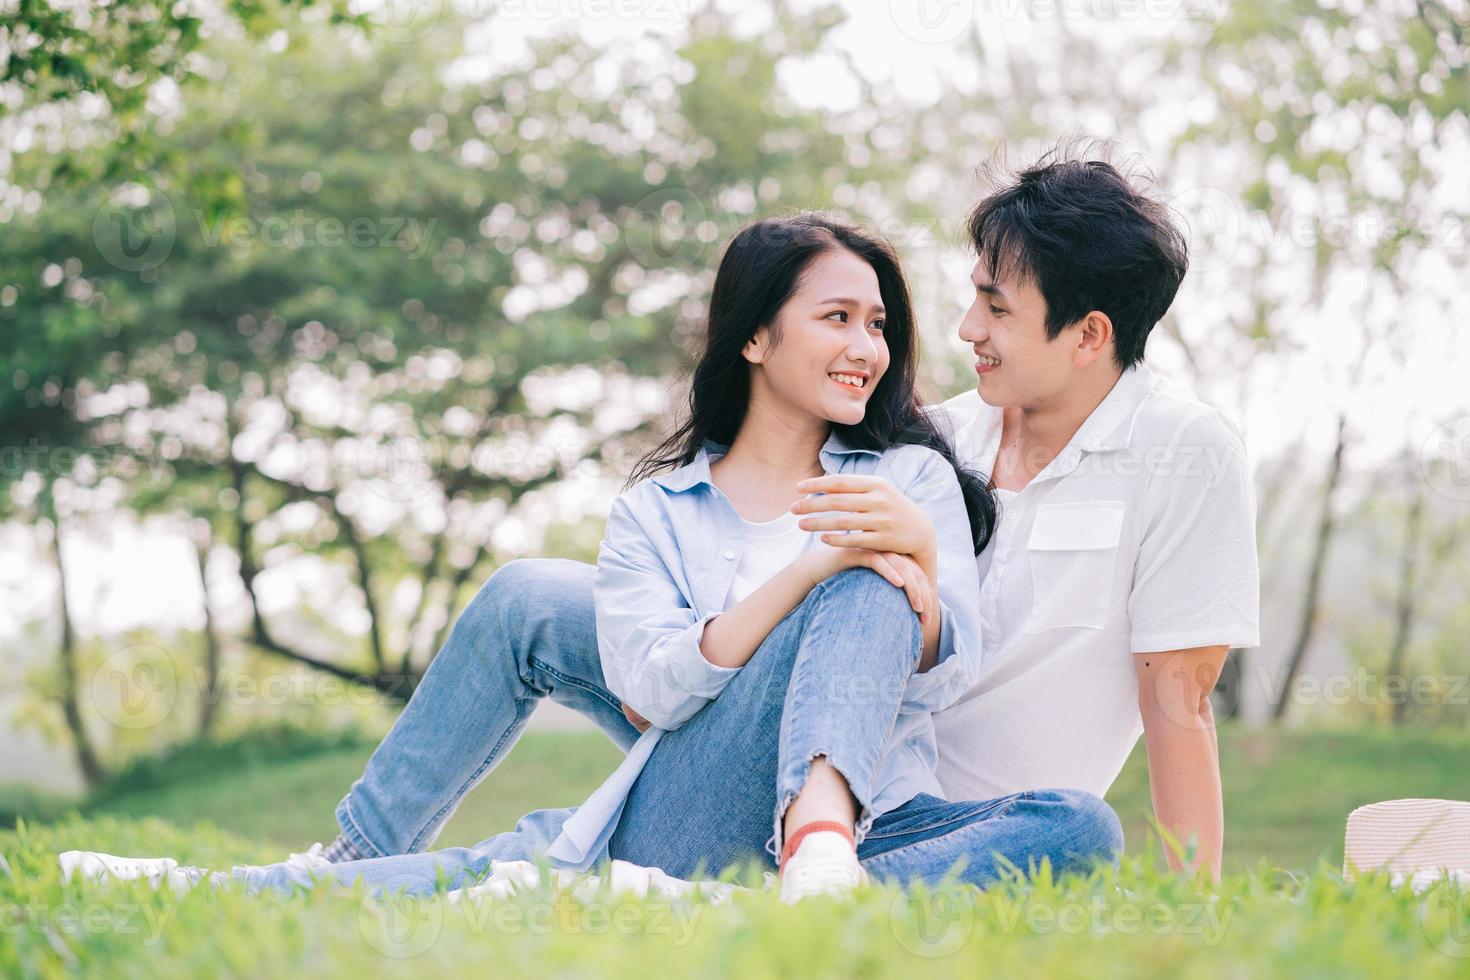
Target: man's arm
(1183, 756)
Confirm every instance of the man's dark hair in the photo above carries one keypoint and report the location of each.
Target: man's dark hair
(1090, 238)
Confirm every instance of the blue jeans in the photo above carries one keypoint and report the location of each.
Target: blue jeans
(709, 794)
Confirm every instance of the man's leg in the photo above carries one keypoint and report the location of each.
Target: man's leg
(928, 837)
(827, 681)
(529, 633)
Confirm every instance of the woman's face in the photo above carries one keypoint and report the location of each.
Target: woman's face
(831, 350)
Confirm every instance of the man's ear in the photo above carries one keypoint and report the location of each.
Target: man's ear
(1094, 338)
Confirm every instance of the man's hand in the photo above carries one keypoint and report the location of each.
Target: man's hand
(639, 722)
(1183, 756)
(880, 517)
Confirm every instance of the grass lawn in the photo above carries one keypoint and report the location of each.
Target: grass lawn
(1287, 794)
(1282, 910)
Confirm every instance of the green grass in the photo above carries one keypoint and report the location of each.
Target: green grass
(1282, 910)
(1287, 794)
(291, 801)
(1133, 923)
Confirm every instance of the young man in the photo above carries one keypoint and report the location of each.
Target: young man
(1123, 569)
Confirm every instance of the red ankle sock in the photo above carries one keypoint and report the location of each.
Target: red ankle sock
(794, 841)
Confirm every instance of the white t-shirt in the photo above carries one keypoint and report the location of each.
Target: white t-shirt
(1139, 537)
(769, 547)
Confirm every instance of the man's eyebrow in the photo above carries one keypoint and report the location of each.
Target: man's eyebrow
(990, 289)
(846, 301)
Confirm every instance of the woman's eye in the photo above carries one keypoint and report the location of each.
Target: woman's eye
(841, 313)
(878, 325)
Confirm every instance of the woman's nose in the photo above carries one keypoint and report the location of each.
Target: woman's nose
(862, 348)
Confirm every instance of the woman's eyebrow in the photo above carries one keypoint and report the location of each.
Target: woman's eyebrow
(848, 301)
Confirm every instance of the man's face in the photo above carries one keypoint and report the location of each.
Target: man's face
(1006, 327)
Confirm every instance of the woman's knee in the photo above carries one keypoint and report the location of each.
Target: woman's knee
(864, 588)
(520, 591)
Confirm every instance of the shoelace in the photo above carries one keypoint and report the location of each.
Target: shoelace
(813, 870)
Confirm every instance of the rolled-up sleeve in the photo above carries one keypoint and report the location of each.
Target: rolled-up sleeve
(1196, 581)
(936, 489)
(648, 634)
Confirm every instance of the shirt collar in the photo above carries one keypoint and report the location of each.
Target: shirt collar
(696, 473)
(1108, 428)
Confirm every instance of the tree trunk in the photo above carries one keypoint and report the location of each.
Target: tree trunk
(209, 697)
(1311, 606)
(90, 765)
(1404, 606)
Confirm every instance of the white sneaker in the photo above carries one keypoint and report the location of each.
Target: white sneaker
(311, 860)
(825, 863)
(96, 866)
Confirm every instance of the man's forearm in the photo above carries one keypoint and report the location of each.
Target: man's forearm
(1183, 758)
(1184, 781)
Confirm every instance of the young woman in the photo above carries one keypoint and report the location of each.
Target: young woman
(724, 619)
(808, 370)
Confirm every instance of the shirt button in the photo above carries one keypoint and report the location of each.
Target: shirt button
(729, 556)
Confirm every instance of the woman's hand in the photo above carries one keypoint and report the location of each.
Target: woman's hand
(879, 516)
(900, 570)
(638, 721)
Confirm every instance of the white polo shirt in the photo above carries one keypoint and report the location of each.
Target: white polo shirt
(1139, 537)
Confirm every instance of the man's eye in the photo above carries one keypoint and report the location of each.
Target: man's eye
(841, 313)
(997, 311)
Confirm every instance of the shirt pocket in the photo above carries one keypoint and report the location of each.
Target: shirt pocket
(1073, 553)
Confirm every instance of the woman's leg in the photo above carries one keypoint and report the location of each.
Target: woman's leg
(827, 682)
(529, 633)
(418, 874)
(928, 837)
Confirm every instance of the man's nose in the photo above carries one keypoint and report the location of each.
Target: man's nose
(972, 327)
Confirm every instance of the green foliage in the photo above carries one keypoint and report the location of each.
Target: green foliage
(123, 54)
(359, 314)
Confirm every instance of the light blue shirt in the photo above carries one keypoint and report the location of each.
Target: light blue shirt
(670, 551)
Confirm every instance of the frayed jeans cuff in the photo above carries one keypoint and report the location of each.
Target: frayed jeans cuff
(791, 786)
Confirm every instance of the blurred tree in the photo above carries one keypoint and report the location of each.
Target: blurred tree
(434, 302)
(113, 68)
(1344, 109)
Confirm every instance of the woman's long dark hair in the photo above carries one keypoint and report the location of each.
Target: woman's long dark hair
(759, 272)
